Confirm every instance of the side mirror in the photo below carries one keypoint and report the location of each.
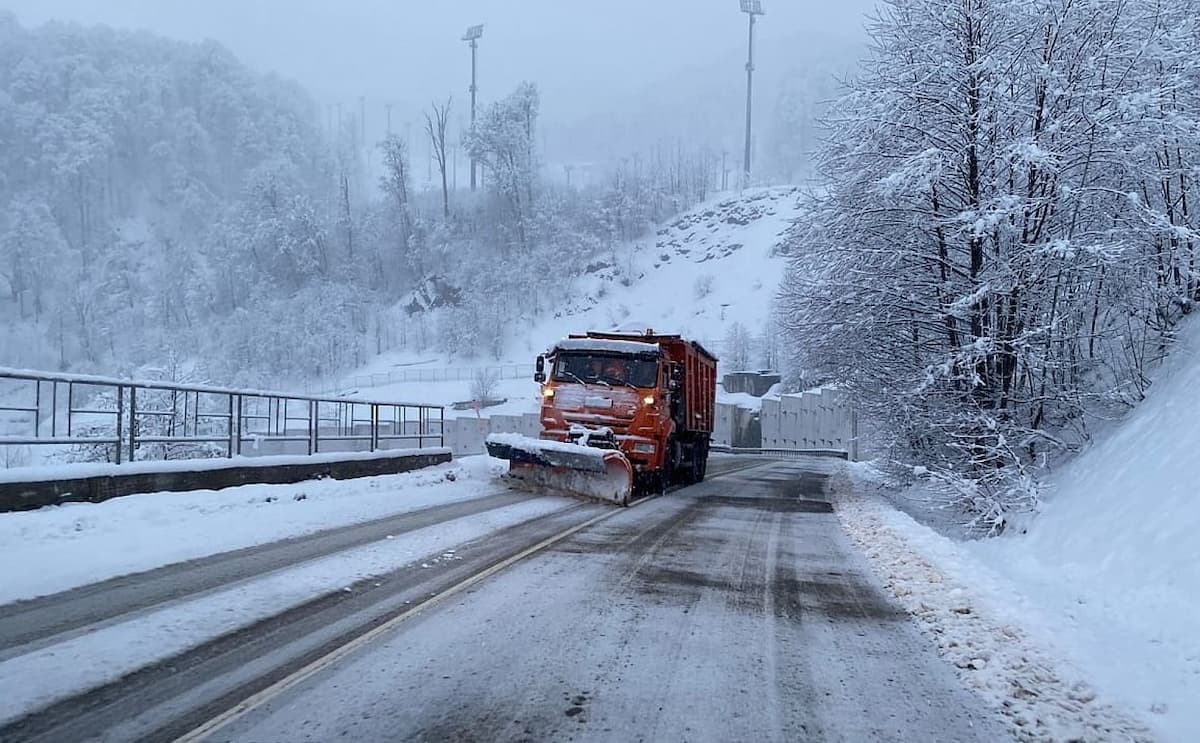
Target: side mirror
(539, 376)
(675, 380)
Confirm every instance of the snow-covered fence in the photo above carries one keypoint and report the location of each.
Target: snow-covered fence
(816, 420)
(736, 426)
(465, 436)
(98, 419)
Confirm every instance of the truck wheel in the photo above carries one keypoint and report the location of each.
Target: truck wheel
(689, 469)
(695, 471)
(672, 472)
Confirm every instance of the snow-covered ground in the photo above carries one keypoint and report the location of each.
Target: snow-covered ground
(88, 660)
(714, 266)
(1114, 557)
(81, 543)
(1005, 647)
(1103, 584)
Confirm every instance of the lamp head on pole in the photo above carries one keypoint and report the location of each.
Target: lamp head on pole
(473, 33)
(753, 7)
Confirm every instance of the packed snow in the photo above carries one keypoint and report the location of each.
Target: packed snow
(1108, 572)
(82, 470)
(1114, 556)
(79, 663)
(80, 543)
(535, 446)
(1005, 648)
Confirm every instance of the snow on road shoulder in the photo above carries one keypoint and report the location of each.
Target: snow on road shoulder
(58, 671)
(80, 543)
(1002, 647)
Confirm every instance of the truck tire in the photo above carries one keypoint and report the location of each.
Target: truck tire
(702, 461)
(673, 470)
(696, 470)
(689, 471)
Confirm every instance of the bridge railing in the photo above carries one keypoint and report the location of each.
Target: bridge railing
(103, 419)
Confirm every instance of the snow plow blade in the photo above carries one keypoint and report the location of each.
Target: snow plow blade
(565, 469)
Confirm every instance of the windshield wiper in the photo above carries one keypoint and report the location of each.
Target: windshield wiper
(618, 380)
(573, 375)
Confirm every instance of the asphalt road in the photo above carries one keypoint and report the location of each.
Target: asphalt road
(167, 698)
(730, 611)
(27, 625)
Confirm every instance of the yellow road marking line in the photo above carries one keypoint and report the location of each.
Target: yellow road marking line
(337, 654)
(279, 687)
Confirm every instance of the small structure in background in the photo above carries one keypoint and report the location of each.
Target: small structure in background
(739, 421)
(755, 383)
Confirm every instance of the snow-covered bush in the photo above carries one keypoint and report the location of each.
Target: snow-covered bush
(484, 384)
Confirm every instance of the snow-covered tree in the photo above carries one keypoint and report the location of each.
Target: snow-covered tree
(736, 352)
(503, 142)
(1002, 243)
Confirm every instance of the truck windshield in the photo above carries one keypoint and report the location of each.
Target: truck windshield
(606, 369)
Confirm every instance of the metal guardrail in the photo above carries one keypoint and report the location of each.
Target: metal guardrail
(783, 453)
(171, 421)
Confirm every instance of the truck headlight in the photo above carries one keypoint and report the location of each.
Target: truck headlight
(648, 400)
(548, 393)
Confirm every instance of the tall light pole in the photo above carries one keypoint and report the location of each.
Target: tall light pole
(752, 8)
(472, 36)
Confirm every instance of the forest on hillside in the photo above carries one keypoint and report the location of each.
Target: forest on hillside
(165, 210)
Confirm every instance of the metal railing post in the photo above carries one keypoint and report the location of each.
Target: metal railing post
(232, 433)
(241, 424)
(374, 426)
(314, 427)
(132, 423)
(120, 415)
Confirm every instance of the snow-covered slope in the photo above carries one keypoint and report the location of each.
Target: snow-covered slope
(714, 266)
(1115, 554)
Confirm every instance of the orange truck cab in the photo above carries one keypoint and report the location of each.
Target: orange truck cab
(652, 397)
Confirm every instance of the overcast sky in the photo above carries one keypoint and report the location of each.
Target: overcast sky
(583, 53)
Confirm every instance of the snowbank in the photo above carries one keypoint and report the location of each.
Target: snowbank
(76, 544)
(1004, 648)
(1115, 553)
(87, 660)
(84, 470)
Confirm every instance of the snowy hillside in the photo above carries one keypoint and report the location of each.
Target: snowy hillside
(1115, 554)
(712, 267)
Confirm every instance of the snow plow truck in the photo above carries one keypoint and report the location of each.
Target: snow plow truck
(621, 414)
